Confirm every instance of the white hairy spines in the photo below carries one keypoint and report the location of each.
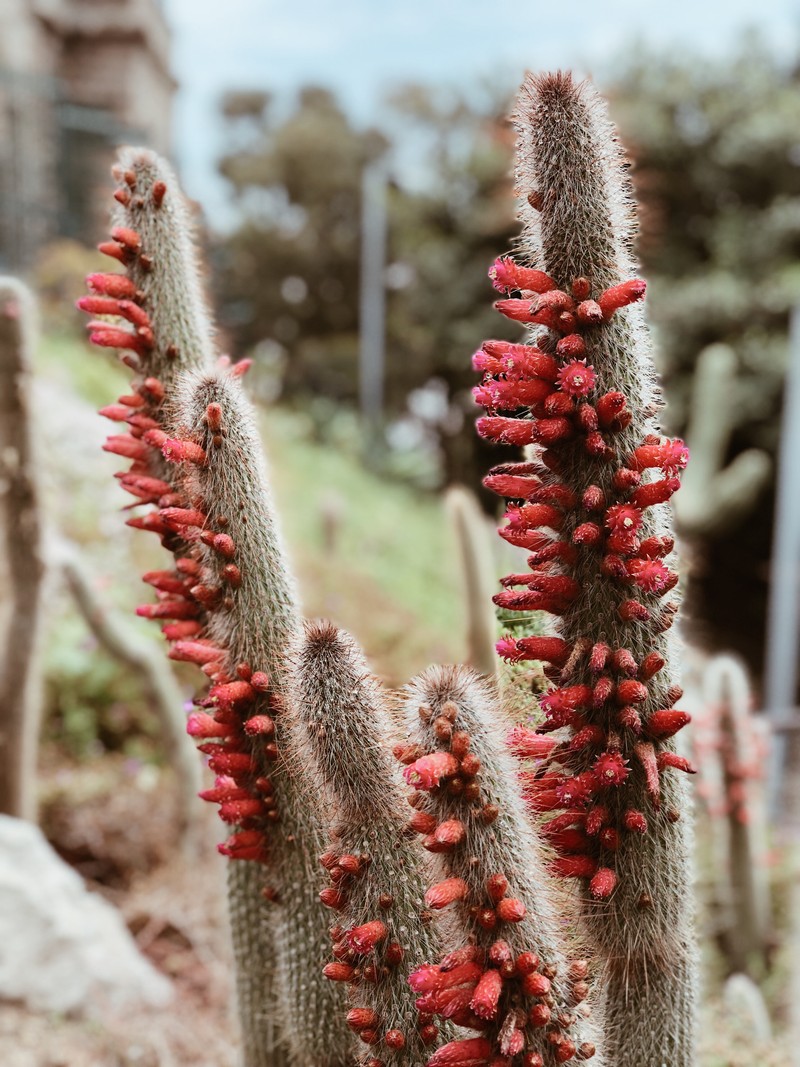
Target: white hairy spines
(509, 908)
(579, 226)
(166, 269)
(251, 617)
(382, 930)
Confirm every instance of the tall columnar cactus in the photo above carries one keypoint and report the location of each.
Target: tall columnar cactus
(227, 605)
(251, 618)
(292, 751)
(589, 505)
(513, 982)
(382, 930)
(716, 497)
(22, 565)
(477, 574)
(734, 748)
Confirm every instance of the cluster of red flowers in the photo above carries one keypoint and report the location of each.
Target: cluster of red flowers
(236, 709)
(493, 984)
(579, 502)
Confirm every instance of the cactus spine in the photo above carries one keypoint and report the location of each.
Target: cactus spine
(517, 987)
(593, 518)
(20, 675)
(378, 878)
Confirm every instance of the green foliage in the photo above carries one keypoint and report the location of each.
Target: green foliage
(718, 173)
(297, 184)
(718, 177)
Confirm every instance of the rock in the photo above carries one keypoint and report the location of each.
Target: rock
(63, 948)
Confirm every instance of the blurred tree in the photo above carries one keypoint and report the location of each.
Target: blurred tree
(289, 274)
(717, 151)
(447, 232)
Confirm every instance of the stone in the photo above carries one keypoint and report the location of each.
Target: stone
(62, 947)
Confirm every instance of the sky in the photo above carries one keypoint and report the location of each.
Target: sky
(360, 48)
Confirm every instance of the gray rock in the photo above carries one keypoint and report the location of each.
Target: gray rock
(63, 948)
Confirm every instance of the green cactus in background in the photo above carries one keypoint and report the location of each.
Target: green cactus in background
(21, 616)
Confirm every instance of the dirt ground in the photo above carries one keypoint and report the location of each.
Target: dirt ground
(117, 828)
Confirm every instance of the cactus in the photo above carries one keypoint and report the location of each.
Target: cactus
(519, 990)
(378, 878)
(735, 743)
(220, 586)
(478, 576)
(251, 618)
(587, 508)
(23, 567)
(300, 741)
(714, 497)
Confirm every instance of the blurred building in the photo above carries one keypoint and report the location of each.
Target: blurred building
(77, 77)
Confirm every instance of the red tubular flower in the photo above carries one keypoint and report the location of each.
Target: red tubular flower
(364, 939)
(527, 744)
(575, 866)
(651, 575)
(619, 296)
(428, 771)
(506, 431)
(183, 452)
(654, 492)
(663, 724)
(513, 486)
(561, 704)
(200, 725)
(506, 274)
(611, 769)
(534, 515)
(444, 893)
(487, 995)
(670, 457)
(515, 361)
(576, 378)
(471, 1052)
(118, 286)
(508, 395)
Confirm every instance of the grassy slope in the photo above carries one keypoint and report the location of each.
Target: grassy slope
(391, 576)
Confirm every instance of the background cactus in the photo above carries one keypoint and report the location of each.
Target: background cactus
(594, 519)
(616, 812)
(478, 576)
(714, 497)
(23, 566)
(732, 748)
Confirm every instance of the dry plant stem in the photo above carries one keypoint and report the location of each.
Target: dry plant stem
(158, 681)
(254, 618)
(381, 928)
(612, 771)
(478, 577)
(530, 998)
(162, 329)
(20, 671)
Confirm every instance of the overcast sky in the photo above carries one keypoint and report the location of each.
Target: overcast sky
(361, 47)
